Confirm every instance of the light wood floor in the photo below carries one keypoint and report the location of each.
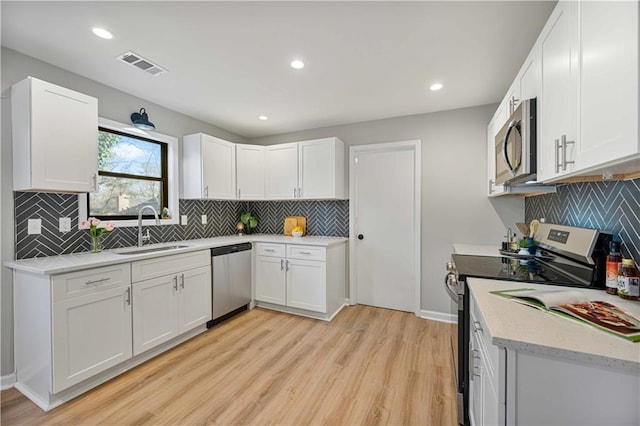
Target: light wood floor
(368, 366)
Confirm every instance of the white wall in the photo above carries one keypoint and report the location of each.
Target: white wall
(455, 208)
(112, 104)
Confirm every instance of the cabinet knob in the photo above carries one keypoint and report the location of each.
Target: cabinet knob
(360, 237)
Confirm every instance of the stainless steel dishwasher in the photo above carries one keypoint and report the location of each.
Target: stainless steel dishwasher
(231, 281)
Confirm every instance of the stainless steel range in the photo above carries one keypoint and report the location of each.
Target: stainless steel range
(567, 256)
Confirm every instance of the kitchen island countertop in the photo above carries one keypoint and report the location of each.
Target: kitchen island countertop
(52, 265)
(516, 326)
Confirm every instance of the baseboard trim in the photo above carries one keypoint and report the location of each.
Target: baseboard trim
(8, 381)
(439, 316)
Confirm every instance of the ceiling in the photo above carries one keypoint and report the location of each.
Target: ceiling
(228, 62)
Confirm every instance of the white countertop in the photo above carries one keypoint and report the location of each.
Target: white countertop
(52, 265)
(475, 250)
(520, 327)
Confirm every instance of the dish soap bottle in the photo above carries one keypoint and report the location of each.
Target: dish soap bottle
(629, 280)
(613, 263)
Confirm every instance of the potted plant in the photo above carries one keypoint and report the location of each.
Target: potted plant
(249, 220)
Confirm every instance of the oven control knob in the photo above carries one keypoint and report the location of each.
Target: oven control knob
(451, 267)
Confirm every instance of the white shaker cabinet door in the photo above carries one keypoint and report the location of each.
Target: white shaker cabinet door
(559, 104)
(92, 333)
(155, 312)
(281, 171)
(250, 171)
(307, 285)
(271, 280)
(218, 168)
(55, 138)
(321, 169)
(194, 308)
(608, 82)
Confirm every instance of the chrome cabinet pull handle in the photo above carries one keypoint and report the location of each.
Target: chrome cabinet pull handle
(269, 250)
(491, 186)
(206, 191)
(128, 299)
(95, 181)
(565, 142)
(282, 264)
(558, 164)
(295, 192)
(182, 281)
(304, 252)
(98, 281)
(175, 283)
(287, 264)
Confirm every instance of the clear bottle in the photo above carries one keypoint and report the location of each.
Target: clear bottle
(629, 280)
(614, 260)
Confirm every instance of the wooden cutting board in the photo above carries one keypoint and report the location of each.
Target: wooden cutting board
(291, 222)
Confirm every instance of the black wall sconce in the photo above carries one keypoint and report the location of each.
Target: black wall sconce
(140, 120)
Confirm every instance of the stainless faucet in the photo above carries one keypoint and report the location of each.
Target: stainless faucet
(141, 238)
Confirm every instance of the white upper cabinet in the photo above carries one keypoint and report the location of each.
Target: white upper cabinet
(55, 138)
(321, 169)
(557, 140)
(608, 83)
(492, 129)
(281, 171)
(250, 171)
(208, 167)
(306, 170)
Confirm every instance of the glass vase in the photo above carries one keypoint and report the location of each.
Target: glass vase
(96, 244)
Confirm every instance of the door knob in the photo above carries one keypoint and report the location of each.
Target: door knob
(360, 237)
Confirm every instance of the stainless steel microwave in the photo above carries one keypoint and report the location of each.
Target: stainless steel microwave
(516, 146)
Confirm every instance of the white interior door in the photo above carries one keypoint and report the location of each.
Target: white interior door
(385, 231)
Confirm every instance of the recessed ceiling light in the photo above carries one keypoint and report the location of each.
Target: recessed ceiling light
(102, 33)
(436, 86)
(297, 64)
(263, 118)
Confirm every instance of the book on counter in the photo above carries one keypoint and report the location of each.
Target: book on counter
(575, 305)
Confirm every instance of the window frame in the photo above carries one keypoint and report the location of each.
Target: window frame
(172, 175)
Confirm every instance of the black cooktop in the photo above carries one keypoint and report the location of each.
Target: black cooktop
(555, 271)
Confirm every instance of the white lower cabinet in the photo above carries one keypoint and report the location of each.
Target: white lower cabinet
(74, 331)
(518, 387)
(309, 279)
(167, 306)
(92, 332)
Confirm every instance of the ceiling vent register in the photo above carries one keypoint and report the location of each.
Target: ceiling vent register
(139, 62)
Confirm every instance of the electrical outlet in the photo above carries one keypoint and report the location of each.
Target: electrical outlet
(65, 224)
(183, 219)
(203, 219)
(34, 226)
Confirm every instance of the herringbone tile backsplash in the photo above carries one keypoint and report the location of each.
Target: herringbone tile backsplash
(612, 207)
(330, 218)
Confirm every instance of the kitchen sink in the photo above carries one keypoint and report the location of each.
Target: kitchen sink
(141, 250)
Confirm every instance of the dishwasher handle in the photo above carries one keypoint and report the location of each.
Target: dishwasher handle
(235, 248)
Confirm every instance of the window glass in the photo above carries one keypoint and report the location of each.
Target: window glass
(125, 154)
(132, 173)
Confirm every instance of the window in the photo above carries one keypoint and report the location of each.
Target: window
(132, 172)
(135, 168)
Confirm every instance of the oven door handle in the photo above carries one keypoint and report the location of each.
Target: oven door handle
(448, 279)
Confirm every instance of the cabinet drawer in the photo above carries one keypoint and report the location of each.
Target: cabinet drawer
(75, 284)
(165, 265)
(306, 252)
(271, 250)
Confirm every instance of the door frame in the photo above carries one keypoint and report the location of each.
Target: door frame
(410, 145)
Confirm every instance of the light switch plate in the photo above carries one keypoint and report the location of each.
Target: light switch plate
(34, 226)
(183, 219)
(65, 224)
(203, 219)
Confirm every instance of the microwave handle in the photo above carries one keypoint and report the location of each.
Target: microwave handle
(513, 125)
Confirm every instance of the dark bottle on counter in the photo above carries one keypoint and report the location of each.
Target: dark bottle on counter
(629, 280)
(613, 264)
